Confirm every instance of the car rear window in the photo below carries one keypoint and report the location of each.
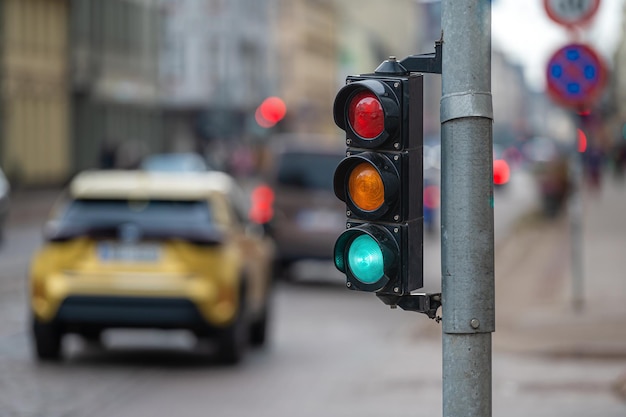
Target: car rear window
(144, 212)
(306, 170)
(136, 219)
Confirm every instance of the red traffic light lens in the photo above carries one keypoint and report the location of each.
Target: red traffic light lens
(365, 115)
(366, 188)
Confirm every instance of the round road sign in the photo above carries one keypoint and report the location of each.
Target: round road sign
(575, 76)
(571, 12)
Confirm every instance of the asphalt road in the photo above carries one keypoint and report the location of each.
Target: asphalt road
(333, 352)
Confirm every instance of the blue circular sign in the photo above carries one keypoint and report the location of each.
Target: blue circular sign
(575, 76)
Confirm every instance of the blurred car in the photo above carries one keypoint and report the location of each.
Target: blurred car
(432, 179)
(174, 162)
(432, 197)
(134, 249)
(308, 217)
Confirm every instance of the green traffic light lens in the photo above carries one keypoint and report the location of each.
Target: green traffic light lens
(365, 259)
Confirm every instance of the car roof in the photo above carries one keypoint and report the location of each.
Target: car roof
(174, 162)
(115, 184)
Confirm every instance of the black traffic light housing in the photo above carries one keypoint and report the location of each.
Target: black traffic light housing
(387, 138)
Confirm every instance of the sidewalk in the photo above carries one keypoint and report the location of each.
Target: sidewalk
(534, 303)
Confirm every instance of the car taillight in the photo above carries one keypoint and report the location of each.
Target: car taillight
(431, 197)
(262, 208)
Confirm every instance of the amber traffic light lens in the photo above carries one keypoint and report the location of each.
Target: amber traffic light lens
(366, 116)
(366, 187)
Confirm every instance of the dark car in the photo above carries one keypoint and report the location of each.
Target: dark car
(308, 216)
(432, 179)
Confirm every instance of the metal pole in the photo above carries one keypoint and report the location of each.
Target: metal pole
(575, 208)
(467, 233)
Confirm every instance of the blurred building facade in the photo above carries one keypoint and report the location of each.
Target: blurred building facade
(510, 99)
(372, 30)
(233, 39)
(617, 87)
(305, 66)
(114, 81)
(34, 103)
(152, 76)
(92, 83)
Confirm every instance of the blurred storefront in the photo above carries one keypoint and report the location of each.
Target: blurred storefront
(34, 103)
(114, 80)
(306, 42)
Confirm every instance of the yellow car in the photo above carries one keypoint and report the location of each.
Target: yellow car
(136, 249)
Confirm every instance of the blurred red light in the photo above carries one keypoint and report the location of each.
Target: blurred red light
(261, 120)
(273, 109)
(501, 172)
(366, 116)
(431, 196)
(262, 209)
(582, 141)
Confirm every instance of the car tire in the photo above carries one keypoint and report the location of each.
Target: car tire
(258, 329)
(93, 337)
(47, 340)
(283, 270)
(232, 342)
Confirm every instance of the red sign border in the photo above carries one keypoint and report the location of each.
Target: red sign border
(581, 21)
(586, 101)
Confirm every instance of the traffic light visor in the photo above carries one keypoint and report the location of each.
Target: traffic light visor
(365, 187)
(366, 115)
(369, 112)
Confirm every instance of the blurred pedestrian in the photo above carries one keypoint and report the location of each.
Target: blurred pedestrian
(619, 159)
(594, 162)
(108, 152)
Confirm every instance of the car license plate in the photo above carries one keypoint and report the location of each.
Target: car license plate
(128, 252)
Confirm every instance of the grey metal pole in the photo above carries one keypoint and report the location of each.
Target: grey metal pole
(467, 234)
(575, 211)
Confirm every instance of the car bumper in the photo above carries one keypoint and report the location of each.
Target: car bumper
(95, 311)
(154, 300)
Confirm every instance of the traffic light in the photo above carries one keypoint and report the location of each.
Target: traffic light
(381, 182)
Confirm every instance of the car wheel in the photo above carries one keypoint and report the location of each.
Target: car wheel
(232, 342)
(258, 329)
(47, 340)
(92, 336)
(283, 270)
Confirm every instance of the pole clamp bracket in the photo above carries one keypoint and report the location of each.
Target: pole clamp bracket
(468, 104)
(418, 302)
